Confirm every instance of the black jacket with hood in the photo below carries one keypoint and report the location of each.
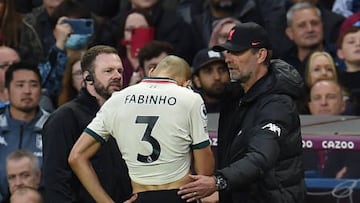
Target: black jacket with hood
(260, 145)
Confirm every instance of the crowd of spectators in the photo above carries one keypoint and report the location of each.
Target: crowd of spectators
(320, 39)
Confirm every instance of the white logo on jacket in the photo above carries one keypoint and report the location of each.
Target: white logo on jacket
(3, 141)
(272, 127)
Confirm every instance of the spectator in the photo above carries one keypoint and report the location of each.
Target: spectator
(305, 29)
(331, 23)
(168, 26)
(72, 80)
(53, 69)
(36, 37)
(327, 99)
(133, 20)
(10, 22)
(26, 195)
(348, 46)
(102, 72)
(189, 8)
(8, 57)
(22, 170)
(274, 14)
(210, 77)
(221, 30)
(203, 23)
(259, 138)
(151, 54)
(346, 8)
(26, 6)
(22, 120)
(102, 10)
(149, 107)
(319, 65)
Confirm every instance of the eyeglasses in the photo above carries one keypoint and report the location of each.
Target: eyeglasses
(77, 75)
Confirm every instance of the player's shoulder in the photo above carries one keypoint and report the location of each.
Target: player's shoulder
(189, 94)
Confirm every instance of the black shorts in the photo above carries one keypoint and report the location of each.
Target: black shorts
(159, 196)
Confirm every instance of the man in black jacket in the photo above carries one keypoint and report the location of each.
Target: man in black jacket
(259, 143)
(102, 72)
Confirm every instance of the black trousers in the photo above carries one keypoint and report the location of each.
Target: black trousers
(160, 196)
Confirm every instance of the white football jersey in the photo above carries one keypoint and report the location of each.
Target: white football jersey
(156, 124)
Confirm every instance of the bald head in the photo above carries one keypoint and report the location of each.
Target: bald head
(326, 98)
(8, 56)
(26, 195)
(173, 67)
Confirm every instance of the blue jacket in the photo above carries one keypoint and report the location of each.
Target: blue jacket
(15, 134)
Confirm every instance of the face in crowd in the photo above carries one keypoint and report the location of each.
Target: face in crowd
(321, 66)
(306, 29)
(24, 90)
(143, 4)
(326, 98)
(20, 173)
(76, 72)
(8, 57)
(149, 64)
(212, 78)
(350, 50)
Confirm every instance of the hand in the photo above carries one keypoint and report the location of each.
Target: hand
(202, 186)
(61, 33)
(213, 198)
(132, 198)
(341, 172)
(136, 77)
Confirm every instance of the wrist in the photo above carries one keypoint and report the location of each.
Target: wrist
(220, 183)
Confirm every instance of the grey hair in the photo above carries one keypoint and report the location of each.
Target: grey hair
(19, 154)
(299, 6)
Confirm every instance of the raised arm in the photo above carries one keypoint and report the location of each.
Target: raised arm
(79, 160)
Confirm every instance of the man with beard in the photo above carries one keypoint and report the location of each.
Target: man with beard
(259, 137)
(102, 72)
(22, 120)
(210, 76)
(161, 129)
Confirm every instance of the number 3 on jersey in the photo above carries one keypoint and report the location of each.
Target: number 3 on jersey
(150, 121)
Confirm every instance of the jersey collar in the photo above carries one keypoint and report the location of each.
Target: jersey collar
(158, 80)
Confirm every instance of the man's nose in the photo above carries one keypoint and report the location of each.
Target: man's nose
(18, 181)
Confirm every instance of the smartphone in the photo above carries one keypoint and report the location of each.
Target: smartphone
(81, 25)
(139, 38)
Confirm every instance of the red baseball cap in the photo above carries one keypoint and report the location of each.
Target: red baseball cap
(352, 21)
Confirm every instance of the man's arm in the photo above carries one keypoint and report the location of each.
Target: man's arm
(79, 159)
(203, 184)
(204, 162)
